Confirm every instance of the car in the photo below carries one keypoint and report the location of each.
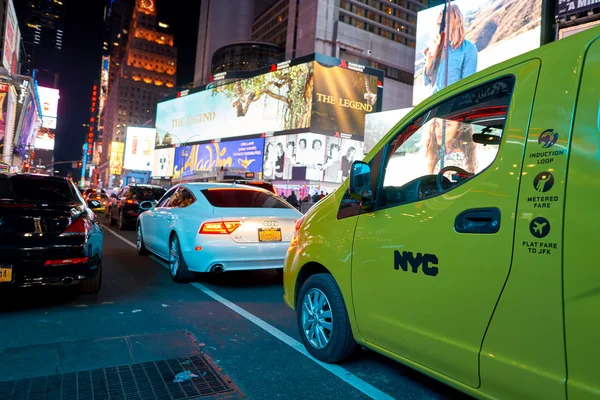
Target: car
(124, 206)
(97, 202)
(216, 227)
(92, 191)
(48, 235)
(463, 244)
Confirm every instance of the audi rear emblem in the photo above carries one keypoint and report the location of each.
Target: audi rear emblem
(270, 223)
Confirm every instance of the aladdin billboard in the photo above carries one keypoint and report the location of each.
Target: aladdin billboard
(481, 34)
(244, 154)
(311, 94)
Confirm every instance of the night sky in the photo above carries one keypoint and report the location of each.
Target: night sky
(81, 59)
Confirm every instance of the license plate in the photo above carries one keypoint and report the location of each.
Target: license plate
(5, 273)
(95, 204)
(269, 235)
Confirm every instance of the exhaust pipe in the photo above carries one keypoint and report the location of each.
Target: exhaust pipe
(67, 281)
(217, 268)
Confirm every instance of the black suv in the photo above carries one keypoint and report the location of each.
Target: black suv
(124, 207)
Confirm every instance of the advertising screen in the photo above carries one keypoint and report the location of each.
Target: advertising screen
(162, 166)
(274, 101)
(343, 95)
(49, 103)
(326, 158)
(116, 157)
(44, 139)
(3, 110)
(246, 154)
(567, 7)
(377, 125)
(482, 33)
(12, 39)
(139, 146)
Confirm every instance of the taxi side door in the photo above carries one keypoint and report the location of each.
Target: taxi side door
(432, 254)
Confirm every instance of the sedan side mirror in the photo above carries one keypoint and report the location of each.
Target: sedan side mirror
(147, 205)
(360, 186)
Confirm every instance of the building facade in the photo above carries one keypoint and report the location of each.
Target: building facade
(376, 33)
(146, 72)
(42, 29)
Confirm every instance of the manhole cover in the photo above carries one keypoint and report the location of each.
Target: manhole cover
(145, 381)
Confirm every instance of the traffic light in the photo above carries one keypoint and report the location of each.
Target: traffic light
(79, 164)
(26, 167)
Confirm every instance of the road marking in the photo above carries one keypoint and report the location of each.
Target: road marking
(121, 237)
(336, 370)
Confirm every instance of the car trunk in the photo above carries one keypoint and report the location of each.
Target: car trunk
(28, 219)
(259, 225)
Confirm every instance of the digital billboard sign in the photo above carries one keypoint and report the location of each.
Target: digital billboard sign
(377, 125)
(243, 154)
(481, 34)
(139, 148)
(12, 40)
(116, 158)
(162, 166)
(316, 93)
(325, 158)
(567, 7)
(49, 104)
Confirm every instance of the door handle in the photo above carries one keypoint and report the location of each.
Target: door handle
(478, 220)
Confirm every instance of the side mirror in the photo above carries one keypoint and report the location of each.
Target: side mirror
(147, 205)
(360, 186)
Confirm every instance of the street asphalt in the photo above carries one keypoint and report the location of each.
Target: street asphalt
(239, 320)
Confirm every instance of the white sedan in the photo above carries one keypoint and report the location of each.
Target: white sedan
(215, 227)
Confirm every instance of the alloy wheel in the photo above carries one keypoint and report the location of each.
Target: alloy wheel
(317, 319)
(174, 257)
(138, 238)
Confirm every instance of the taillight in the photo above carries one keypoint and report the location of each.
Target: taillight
(67, 261)
(298, 223)
(219, 228)
(129, 201)
(79, 227)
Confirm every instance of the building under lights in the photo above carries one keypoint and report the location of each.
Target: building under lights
(146, 72)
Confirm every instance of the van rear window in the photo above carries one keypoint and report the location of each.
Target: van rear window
(242, 198)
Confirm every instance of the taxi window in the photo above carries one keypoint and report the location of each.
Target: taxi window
(447, 145)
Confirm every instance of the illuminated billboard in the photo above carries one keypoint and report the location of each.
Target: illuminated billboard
(244, 154)
(116, 157)
(162, 166)
(12, 40)
(315, 93)
(482, 33)
(49, 105)
(44, 139)
(317, 157)
(377, 125)
(139, 148)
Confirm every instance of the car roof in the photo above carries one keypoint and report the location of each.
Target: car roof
(40, 176)
(222, 185)
(145, 185)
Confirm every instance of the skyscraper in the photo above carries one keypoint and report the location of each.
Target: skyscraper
(42, 24)
(144, 73)
(376, 33)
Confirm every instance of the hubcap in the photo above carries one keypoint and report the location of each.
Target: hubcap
(317, 320)
(174, 257)
(139, 238)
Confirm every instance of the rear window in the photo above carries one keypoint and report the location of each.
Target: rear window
(97, 196)
(27, 188)
(242, 198)
(262, 185)
(147, 193)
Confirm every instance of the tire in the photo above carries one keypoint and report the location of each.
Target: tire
(141, 247)
(179, 272)
(121, 222)
(92, 285)
(332, 345)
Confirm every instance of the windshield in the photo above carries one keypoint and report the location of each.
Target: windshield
(147, 193)
(33, 188)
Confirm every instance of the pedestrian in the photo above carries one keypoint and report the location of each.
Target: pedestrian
(322, 195)
(293, 200)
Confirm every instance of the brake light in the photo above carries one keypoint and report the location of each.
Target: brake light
(67, 261)
(129, 201)
(219, 228)
(79, 227)
(298, 223)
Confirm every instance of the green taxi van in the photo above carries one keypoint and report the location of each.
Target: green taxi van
(463, 244)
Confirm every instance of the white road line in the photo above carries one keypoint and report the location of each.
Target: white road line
(336, 370)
